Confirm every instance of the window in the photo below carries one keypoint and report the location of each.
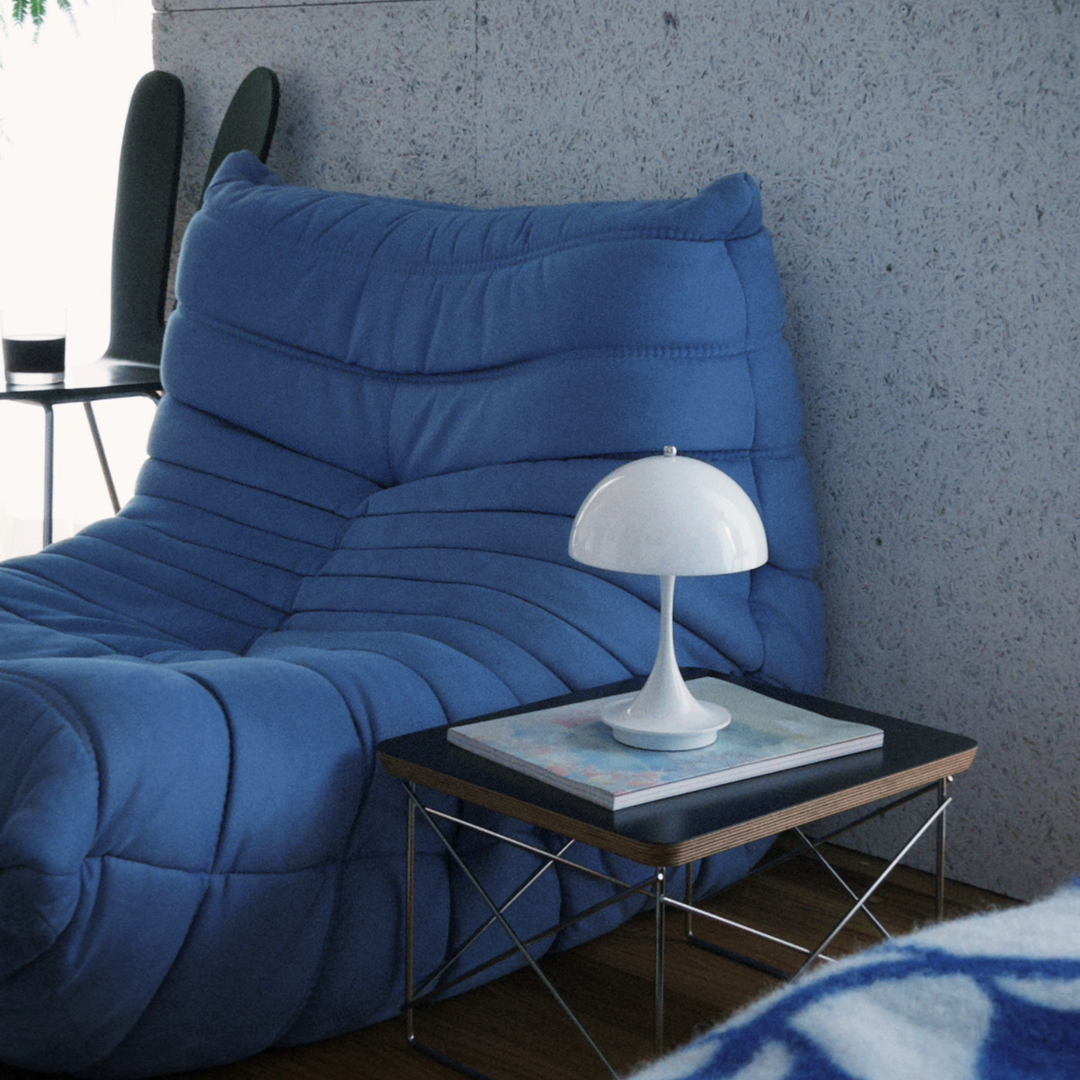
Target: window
(63, 101)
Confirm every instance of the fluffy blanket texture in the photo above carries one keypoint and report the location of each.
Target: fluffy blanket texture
(989, 997)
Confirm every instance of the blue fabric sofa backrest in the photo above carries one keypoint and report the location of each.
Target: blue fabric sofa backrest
(345, 359)
(414, 340)
(383, 415)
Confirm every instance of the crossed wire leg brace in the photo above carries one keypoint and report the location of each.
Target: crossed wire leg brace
(655, 887)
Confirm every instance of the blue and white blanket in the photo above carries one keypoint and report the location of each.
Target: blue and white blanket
(988, 997)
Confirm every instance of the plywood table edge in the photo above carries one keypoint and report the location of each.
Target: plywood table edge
(678, 854)
(826, 806)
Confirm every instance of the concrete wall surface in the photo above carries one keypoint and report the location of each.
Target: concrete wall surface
(919, 171)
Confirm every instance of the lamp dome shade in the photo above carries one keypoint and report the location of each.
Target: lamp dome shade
(669, 515)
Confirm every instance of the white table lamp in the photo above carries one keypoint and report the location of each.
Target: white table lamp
(670, 516)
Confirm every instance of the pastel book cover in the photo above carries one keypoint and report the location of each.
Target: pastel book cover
(570, 746)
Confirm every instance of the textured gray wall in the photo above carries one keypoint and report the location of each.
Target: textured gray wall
(919, 168)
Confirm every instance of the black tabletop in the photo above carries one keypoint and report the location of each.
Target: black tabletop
(675, 830)
(91, 382)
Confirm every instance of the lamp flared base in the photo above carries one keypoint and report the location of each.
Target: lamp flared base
(664, 732)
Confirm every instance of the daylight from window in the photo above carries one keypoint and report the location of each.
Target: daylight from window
(63, 101)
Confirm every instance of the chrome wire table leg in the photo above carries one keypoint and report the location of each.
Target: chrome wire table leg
(410, 909)
(935, 816)
(433, 979)
(519, 945)
(689, 901)
(939, 891)
(844, 885)
(658, 974)
(99, 446)
(47, 513)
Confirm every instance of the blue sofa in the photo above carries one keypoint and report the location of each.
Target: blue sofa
(380, 418)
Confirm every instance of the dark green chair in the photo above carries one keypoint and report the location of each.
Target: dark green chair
(142, 247)
(249, 121)
(145, 211)
(146, 195)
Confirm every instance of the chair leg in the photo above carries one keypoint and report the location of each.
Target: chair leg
(101, 456)
(46, 515)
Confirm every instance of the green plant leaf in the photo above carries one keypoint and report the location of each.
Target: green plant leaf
(35, 9)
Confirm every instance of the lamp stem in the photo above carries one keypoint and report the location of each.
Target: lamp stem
(665, 693)
(665, 652)
(664, 715)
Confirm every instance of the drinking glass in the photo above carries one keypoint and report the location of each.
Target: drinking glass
(34, 345)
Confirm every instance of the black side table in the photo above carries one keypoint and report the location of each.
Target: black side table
(86, 383)
(915, 760)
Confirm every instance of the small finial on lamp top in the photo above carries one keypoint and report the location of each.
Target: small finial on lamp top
(670, 451)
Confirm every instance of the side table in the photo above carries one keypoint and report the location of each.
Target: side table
(914, 761)
(86, 383)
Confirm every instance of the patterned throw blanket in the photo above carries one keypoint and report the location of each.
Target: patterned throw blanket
(988, 997)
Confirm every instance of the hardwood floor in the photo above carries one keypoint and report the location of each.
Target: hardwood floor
(513, 1029)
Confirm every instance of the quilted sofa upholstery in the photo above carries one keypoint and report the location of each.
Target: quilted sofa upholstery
(380, 418)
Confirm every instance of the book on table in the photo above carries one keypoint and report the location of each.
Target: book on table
(570, 747)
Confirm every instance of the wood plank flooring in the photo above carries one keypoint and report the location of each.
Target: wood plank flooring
(512, 1029)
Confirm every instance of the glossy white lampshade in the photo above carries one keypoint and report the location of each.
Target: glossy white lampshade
(669, 516)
